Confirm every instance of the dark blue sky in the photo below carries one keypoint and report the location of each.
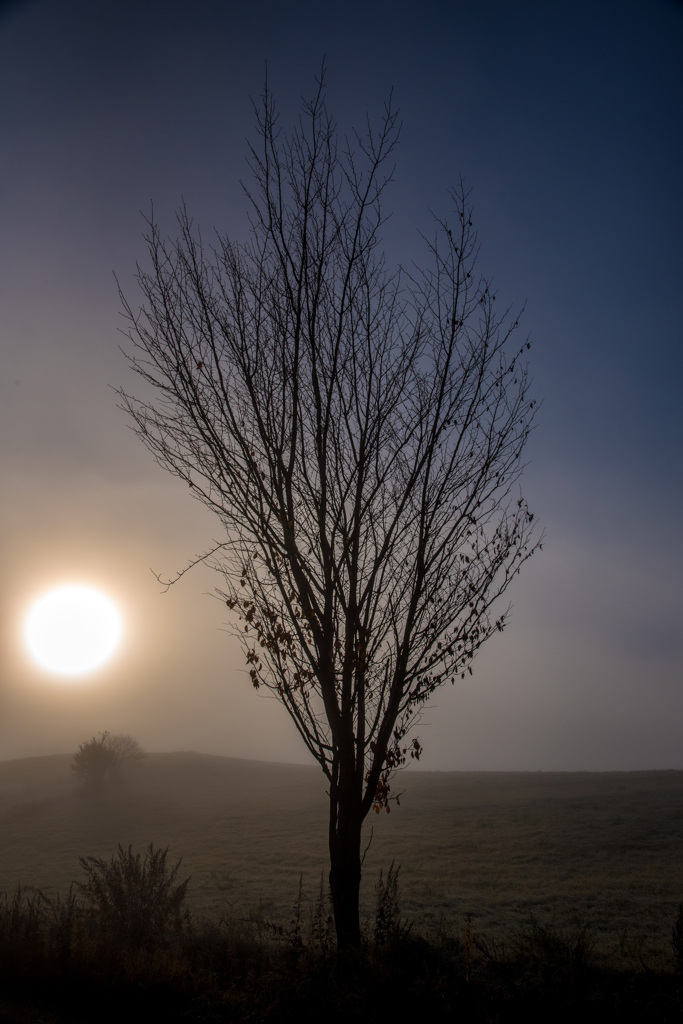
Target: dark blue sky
(566, 120)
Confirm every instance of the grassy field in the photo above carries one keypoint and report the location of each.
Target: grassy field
(602, 851)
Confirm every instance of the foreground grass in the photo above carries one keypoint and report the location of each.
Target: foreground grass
(63, 961)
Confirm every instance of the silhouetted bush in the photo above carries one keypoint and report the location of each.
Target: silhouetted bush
(136, 901)
(100, 756)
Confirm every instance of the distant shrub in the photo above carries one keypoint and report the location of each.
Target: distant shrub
(97, 759)
(136, 900)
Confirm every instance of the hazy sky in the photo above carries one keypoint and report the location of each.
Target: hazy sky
(566, 120)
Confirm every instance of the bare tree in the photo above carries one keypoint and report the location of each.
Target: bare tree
(358, 432)
(124, 748)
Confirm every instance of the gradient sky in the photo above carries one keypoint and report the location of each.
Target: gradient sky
(566, 121)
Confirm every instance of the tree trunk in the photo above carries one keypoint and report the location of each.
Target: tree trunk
(345, 863)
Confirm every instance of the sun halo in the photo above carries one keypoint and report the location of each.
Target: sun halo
(72, 630)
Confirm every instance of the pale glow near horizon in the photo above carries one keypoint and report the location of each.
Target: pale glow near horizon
(72, 630)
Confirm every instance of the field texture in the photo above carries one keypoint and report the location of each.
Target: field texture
(573, 850)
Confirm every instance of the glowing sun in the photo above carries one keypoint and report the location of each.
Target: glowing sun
(72, 630)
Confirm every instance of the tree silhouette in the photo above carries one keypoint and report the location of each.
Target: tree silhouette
(100, 756)
(358, 432)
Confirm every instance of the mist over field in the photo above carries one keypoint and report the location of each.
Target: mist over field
(598, 849)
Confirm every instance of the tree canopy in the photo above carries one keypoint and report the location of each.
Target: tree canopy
(97, 758)
(358, 431)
